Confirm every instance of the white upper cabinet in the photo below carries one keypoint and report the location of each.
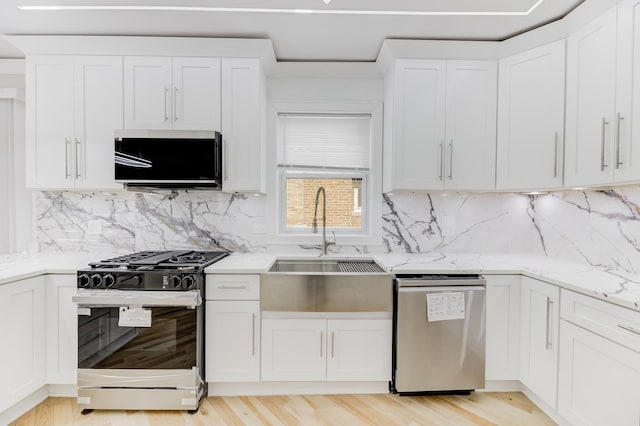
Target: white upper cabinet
(171, 93)
(626, 160)
(531, 119)
(147, 93)
(414, 124)
(243, 125)
(73, 106)
(196, 94)
(472, 96)
(595, 126)
(440, 125)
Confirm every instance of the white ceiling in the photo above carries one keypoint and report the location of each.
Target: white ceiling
(324, 35)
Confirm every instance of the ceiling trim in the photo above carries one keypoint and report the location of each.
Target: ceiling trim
(54, 8)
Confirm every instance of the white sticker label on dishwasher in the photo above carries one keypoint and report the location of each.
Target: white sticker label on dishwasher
(445, 306)
(134, 317)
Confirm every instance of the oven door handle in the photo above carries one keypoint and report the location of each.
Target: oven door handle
(117, 298)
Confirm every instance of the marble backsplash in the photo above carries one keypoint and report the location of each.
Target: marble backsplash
(601, 228)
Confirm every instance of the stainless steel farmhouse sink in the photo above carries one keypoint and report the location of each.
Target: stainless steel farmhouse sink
(326, 285)
(302, 266)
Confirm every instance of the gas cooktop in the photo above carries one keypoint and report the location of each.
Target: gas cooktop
(176, 270)
(157, 260)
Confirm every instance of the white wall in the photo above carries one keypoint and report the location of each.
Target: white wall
(15, 200)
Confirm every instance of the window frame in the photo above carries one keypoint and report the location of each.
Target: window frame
(284, 173)
(373, 207)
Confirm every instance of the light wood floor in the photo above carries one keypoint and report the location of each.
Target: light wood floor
(478, 409)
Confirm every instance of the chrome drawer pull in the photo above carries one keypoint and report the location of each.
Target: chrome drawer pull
(548, 337)
(629, 328)
(232, 287)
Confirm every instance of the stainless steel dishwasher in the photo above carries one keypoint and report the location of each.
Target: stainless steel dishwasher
(439, 334)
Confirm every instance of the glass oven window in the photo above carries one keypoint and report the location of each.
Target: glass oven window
(170, 342)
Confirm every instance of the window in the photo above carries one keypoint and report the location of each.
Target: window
(331, 151)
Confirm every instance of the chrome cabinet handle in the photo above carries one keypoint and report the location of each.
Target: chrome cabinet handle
(166, 116)
(175, 103)
(67, 146)
(555, 156)
(629, 328)
(548, 337)
(605, 123)
(232, 287)
(451, 159)
(77, 163)
(618, 162)
(253, 334)
(321, 343)
(332, 343)
(226, 148)
(441, 159)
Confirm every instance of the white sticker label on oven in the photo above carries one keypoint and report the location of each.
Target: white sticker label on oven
(445, 306)
(134, 317)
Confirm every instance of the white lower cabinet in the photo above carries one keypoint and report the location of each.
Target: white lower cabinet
(359, 350)
(303, 349)
(23, 328)
(232, 351)
(539, 338)
(294, 349)
(503, 327)
(62, 330)
(599, 376)
(599, 382)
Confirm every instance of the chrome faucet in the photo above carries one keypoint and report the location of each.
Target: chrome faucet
(314, 226)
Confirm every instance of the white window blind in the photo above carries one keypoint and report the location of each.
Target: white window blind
(325, 141)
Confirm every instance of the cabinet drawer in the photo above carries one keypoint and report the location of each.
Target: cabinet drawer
(614, 322)
(233, 287)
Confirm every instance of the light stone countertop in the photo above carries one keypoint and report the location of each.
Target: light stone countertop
(618, 288)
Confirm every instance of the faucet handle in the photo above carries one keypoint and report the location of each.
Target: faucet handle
(334, 239)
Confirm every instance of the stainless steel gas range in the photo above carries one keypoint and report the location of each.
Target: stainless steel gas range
(141, 330)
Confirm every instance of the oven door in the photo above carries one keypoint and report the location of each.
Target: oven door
(139, 339)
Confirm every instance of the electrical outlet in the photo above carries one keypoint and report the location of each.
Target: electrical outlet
(448, 226)
(94, 227)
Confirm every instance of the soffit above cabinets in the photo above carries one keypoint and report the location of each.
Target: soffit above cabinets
(301, 30)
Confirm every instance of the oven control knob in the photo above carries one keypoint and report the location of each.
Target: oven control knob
(108, 280)
(175, 281)
(96, 280)
(83, 280)
(188, 282)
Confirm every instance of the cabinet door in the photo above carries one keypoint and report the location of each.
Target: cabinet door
(147, 93)
(503, 327)
(626, 157)
(417, 139)
(359, 350)
(62, 330)
(470, 152)
(294, 349)
(531, 119)
(591, 91)
(196, 94)
(599, 381)
(539, 338)
(98, 112)
(49, 122)
(23, 358)
(232, 341)
(242, 125)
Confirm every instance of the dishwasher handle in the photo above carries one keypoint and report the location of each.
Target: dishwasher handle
(446, 282)
(441, 288)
